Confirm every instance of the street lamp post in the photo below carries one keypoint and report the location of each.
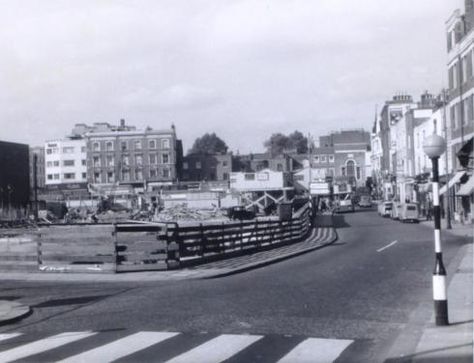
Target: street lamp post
(434, 146)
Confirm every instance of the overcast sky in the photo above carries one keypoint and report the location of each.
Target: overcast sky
(241, 68)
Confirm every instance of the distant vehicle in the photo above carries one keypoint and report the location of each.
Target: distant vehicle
(345, 204)
(240, 213)
(409, 212)
(396, 208)
(365, 201)
(385, 209)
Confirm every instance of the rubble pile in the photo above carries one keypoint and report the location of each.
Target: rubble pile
(181, 212)
(112, 217)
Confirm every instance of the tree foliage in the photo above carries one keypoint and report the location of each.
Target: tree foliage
(278, 143)
(208, 144)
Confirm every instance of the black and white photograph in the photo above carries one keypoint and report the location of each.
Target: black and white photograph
(236, 181)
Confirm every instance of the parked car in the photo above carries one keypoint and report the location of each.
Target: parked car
(409, 212)
(385, 209)
(365, 201)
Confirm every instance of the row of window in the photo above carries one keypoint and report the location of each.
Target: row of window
(110, 175)
(462, 71)
(198, 165)
(126, 144)
(66, 176)
(323, 158)
(129, 175)
(50, 164)
(462, 112)
(65, 150)
(125, 160)
(110, 146)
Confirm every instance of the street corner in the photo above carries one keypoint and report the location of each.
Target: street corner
(11, 312)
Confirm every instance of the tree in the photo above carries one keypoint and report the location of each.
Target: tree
(278, 143)
(299, 142)
(208, 144)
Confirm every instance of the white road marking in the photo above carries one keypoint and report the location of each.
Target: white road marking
(316, 350)
(121, 347)
(217, 349)
(8, 336)
(42, 345)
(387, 246)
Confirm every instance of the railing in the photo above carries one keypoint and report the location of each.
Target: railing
(203, 243)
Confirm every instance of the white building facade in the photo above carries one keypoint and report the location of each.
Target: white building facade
(430, 125)
(65, 161)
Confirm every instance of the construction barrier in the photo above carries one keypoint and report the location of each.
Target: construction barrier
(18, 250)
(76, 248)
(109, 248)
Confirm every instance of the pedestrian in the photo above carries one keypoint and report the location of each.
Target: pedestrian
(323, 205)
(429, 212)
(423, 209)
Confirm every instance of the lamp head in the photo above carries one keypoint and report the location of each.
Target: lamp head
(434, 146)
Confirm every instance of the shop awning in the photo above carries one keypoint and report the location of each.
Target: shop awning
(466, 188)
(465, 154)
(455, 179)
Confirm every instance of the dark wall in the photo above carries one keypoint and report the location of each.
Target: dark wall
(14, 174)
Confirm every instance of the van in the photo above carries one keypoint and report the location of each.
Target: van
(409, 212)
(345, 204)
(396, 208)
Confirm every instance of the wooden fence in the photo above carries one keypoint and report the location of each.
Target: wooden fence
(198, 244)
(152, 246)
(18, 250)
(76, 248)
(141, 247)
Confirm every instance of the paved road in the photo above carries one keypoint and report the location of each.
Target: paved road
(350, 299)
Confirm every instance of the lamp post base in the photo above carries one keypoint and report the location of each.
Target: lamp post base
(441, 312)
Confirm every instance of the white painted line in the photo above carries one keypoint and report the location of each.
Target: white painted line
(316, 350)
(387, 246)
(42, 345)
(217, 349)
(8, 336)
(120, 348)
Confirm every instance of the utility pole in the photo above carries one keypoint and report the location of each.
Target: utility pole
(35, 183)
(310, 157)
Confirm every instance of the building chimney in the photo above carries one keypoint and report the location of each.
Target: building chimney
(122, 122)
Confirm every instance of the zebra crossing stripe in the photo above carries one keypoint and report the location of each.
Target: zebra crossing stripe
(217, 350)
(42, 345)
(8, 336)
(121, 347)
(316, 350)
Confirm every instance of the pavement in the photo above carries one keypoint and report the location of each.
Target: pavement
(11, 312)
(453, 343)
